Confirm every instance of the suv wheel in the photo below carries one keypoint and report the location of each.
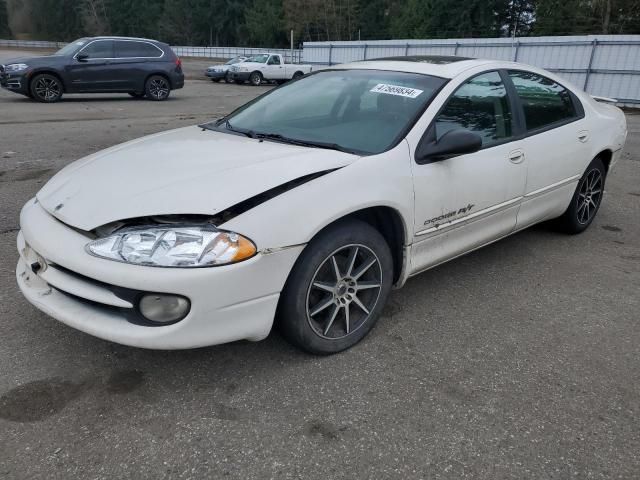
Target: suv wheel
(157, 88)
(337, 288)
(255, 78)
(46, 88)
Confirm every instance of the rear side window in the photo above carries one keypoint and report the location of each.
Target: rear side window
(545, 103)
(480, 105)
(98, 49)
(132, 49)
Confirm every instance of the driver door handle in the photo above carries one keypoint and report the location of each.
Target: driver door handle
(516, 156)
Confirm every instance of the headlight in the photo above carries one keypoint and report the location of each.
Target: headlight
(174, 246)
(16, 67)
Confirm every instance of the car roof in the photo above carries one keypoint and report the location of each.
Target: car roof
(436, 65)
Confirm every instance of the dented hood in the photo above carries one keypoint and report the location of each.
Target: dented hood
(184, 171)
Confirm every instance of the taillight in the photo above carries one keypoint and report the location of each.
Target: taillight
(178, 62)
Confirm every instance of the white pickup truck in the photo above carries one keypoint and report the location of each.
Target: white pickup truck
(267, 67)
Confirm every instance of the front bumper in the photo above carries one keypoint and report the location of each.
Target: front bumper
(240, 76)
(15, 82)
(215, 75)
(228, 303)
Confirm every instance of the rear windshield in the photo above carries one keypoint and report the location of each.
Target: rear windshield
(258, 59)
(364, 111)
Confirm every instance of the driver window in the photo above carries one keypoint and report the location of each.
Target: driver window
(274, 60)
(482, 106)
(98, 49)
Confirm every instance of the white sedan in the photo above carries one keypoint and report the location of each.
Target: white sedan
(306, 206)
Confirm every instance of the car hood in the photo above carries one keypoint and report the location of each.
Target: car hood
(249, 64)
(184, 171)
(34, 61)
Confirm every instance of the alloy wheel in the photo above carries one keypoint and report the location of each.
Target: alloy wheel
(344, 291)
(158, 88)
(589, 196)
(48, 89)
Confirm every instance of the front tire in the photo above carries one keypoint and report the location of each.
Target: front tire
(255, 79)
(337, 288)
(586, 200)
(157, 88)
(46, 88)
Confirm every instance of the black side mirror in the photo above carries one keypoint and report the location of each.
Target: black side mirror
(82, 57)
(453, 143)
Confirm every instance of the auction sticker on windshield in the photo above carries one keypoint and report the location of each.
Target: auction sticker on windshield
(396, 90)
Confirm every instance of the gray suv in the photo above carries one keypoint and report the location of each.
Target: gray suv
(137, 66)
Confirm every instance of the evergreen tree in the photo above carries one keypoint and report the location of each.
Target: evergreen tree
(57, 20)
(264, 23)
(4, 20)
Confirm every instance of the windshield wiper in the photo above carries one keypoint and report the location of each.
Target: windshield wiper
(277, 137)
(215, 126)
(247, 133)
(303, 143)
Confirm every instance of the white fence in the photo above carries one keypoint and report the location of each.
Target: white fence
(605, 65)
(31, 44)
(291, 56)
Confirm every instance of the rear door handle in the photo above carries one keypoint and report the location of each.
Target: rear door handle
(583, 136)
(516, 156)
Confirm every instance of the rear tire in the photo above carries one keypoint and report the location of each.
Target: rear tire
(586, 200)
(46, 88)
(157, 88)
(297, 75)
(255, 79)
(227, 77)
(337, 289)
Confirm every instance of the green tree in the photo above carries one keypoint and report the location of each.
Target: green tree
(58, 20)
(135, 18)
(5, 32)
(264, 23)
(446, 18)
(563, 17)
(374, 19)
(515, 16)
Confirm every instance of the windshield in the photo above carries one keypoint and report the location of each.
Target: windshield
(258, 58)
(235, 60)
(363, 111)
(70, 48)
